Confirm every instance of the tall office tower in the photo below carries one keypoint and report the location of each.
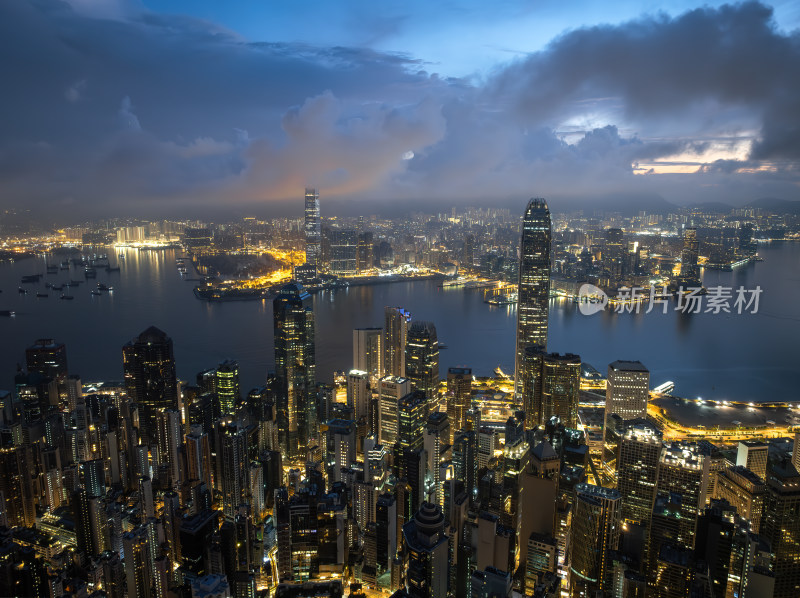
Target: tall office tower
(343, 252)
(781, 527)
(48, 358)
(744, 490)
(753, 455)
(595, 532)
(691, 247)
(385, 531)
(137, 563)
(339, 436)
(395, 331)
(542, 559)
(198, 456)
(232, 465)
(534, 282)
(614, 253)
(627, 392)
(368, 352)
(295, 369)
(459, 398)
(491, 582)
(549, 386)
(365, 258)
(639, 454)
(149, 369)
(391, 389)
(358, 393)
(683, 471)
(313, 228)
(796, 451)
(561, 387)
(170, 445)
(426, 553)
(412, 413)
(465, 461)
(437, 436)
(422, 358)
(226, 386)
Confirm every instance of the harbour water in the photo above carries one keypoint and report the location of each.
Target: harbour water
(751, 357)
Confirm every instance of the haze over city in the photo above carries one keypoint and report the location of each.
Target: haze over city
(146, 108)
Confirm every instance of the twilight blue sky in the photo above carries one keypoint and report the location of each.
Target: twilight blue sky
(148, 107)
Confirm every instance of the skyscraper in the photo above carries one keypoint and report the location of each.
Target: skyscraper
(426, 553)
(313, 228)
(534, 282)
(368, 351)
(550, 386)
(459, 398)
(627, 392)
(395, 331)
(691, 247)
(391, 390)
(637, 467)
(48, 358)
(295, 368)
(343, 252)
(149, 369)
(781, 526)
(422, 358)
(594, 535)
(226, 383)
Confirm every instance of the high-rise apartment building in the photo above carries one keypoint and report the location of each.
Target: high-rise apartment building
(313, 228)
(627, 392)
(295, 368)
(637, 467)
(534, 282)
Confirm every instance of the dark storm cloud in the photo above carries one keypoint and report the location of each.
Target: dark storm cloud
(128, 108)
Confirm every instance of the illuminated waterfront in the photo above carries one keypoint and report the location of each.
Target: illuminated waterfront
(714, 356)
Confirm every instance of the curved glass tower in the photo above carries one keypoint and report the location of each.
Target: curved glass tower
(534, 283)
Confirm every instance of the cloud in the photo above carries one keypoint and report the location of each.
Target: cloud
(171, 110)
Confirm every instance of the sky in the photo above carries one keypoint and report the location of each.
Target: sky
(165, 107)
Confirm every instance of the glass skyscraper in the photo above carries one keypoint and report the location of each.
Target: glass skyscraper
(534, 282)
(312, 227)
(295, 368)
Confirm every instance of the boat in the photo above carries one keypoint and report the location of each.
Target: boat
(57, 287)
(110, 269)
(96, 293)
(74, 283)
(23, 291)
(63, 267)
(42, 295)
(8, 313)
(31, 278)
(67, 297)
(90, 272)
(102, 287)
(52, 269)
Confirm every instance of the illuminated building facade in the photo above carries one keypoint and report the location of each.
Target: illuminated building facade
(295, 368)
(422, 358)
(459, 398)
(149, 369)
(395, 332)
(313, 228)
(534, 282)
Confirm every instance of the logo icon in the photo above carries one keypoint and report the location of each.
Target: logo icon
(591, 299)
